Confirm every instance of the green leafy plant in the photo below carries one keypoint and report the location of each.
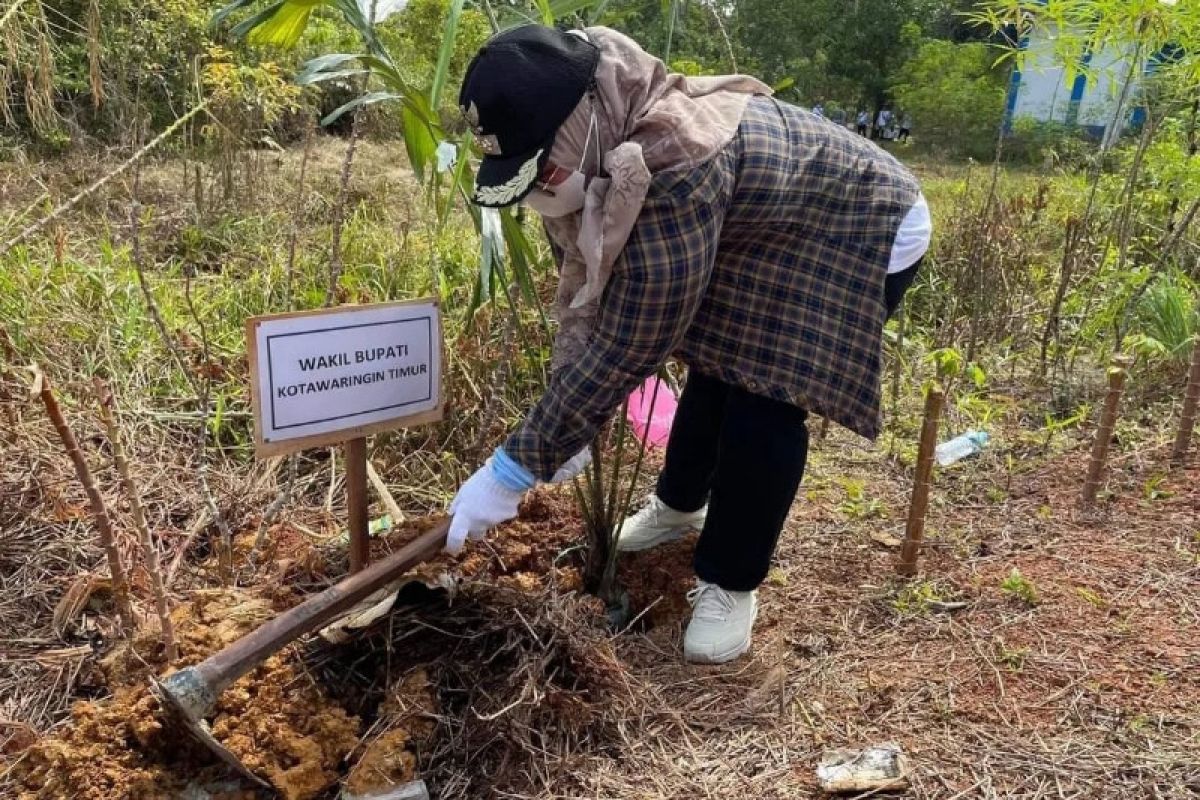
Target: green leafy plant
(1168, 318)
(1153, 489)
(1018, 586)
(857, 505)
(1011, 657)
(916, 598)
(1091, 597)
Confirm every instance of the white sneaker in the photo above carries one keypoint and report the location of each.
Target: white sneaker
(720, 626)
(657, 524)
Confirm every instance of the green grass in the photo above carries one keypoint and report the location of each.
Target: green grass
(76, 307)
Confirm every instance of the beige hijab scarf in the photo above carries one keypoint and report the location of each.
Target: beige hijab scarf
(642, 120)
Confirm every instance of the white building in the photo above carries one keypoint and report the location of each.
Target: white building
(1045, 90)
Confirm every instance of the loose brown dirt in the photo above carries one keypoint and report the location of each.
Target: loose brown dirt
(281, 725)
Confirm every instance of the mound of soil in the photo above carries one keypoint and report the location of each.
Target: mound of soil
(279, 723)
(518, 652)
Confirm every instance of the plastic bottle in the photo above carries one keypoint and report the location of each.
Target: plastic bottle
(961, 446)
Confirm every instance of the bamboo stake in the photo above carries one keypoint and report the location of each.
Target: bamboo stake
(914, 530)
(149, 551)
(1191, 405)
(41, 388)
(1117, 372)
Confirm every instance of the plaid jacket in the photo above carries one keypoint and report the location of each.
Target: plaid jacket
(763, 267)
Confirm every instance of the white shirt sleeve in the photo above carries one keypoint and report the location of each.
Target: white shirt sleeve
(912, 239)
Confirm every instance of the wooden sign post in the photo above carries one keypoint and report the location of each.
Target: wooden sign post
(335, 376)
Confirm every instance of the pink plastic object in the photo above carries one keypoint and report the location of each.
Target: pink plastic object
(657, 419)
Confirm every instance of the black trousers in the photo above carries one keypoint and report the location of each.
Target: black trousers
(743, 454)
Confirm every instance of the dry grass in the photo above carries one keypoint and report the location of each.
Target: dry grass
(1092, 692)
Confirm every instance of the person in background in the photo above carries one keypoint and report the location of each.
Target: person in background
(905, 126)
(701, 219)
(882, 121)
(863, 121)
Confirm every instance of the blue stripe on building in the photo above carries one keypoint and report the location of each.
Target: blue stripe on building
(1014, 88)
(1077, 90)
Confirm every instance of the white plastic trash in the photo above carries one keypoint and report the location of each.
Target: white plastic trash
(960, 447)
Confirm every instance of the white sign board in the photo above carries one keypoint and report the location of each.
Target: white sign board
(321, 377)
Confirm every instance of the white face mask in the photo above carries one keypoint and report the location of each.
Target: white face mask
(568, 196)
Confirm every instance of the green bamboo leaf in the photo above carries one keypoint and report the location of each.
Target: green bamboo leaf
(464, 180)
(285, 27)
(244, 27)
(322, 77)
(524, 259)
(324, 63)
(418, 139)
(352, 12)
(367, 99)
(543, 7)
(445, 53)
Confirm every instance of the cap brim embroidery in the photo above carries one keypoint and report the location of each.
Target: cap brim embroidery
(507, 192)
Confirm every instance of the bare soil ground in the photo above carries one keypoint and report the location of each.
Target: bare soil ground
(1076, 677)
(1080, 679)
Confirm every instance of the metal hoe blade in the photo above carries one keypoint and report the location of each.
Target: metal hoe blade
(180, 718)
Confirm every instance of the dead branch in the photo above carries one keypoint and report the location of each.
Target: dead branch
(149, 551)
(285, 491)
(385, 494)
(339, 215)
(120, 586)
(200, 388)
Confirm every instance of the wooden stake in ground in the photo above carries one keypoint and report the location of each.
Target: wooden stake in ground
(1191, 406)
(356, 503)
(120, 586)
(914, 531)
(149, 551)
(1117, 372)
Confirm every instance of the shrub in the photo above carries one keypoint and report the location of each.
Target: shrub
(955, 96)
(1051, 143)
(1168, 317)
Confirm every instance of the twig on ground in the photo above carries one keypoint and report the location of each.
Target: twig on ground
(385, 494)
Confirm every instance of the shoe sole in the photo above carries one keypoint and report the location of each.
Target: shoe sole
(720, 658)
(672, 536)
(734, 653)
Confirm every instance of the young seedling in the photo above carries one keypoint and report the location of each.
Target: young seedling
(1117, 373)
(1018, 586)
(120, 586)
(149, 551)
